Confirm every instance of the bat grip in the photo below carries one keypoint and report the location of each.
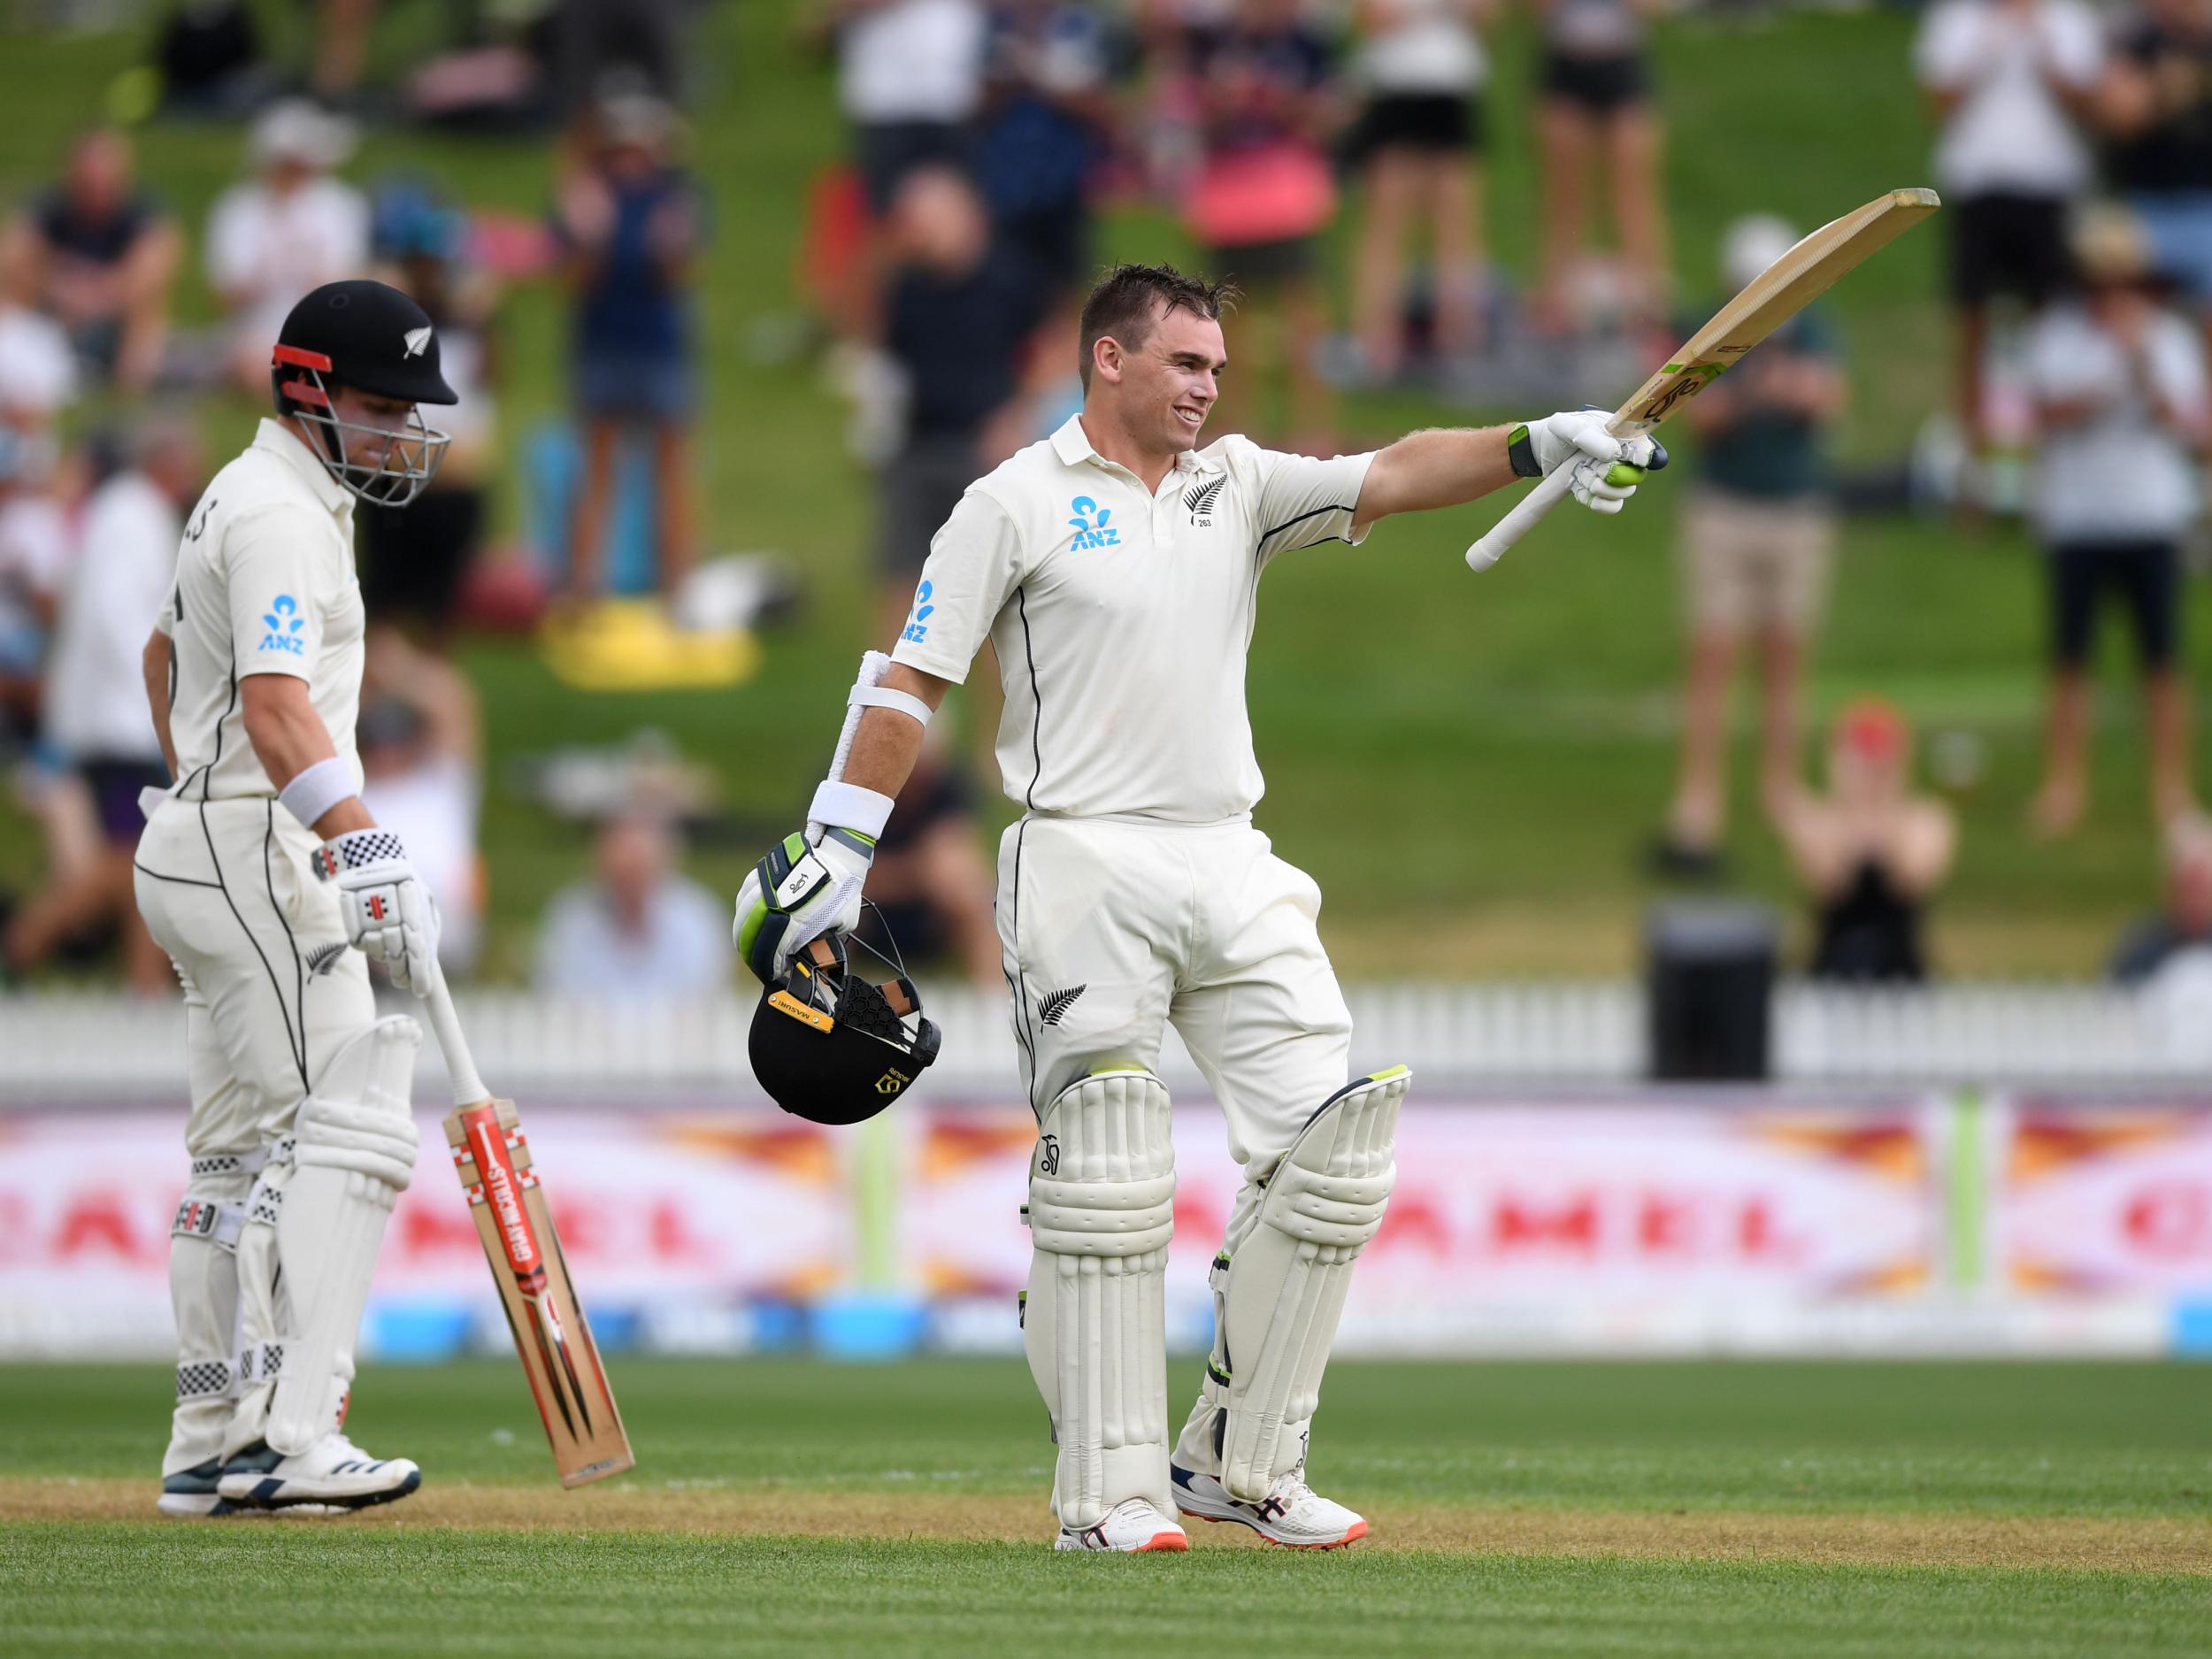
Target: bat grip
(437, 1002)
(1489, 548)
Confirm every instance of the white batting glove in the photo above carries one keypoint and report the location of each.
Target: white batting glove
(390, 915)
(797, 893)
(1605, 470)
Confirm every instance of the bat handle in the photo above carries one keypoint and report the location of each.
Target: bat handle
(437, 1002)
(1489, 548)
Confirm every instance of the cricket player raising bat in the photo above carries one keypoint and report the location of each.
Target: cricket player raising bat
(1115, 568)
(263, 876)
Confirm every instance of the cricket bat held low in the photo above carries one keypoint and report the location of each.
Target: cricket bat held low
(552, 1335)
(1768, 301)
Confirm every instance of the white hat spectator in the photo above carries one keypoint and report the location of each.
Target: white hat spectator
(301, 133)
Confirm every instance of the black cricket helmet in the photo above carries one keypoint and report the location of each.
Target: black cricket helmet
(834, 1047)
(373, 338)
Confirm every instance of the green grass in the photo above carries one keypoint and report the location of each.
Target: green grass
(1933, 1445)
(279, 1590)
(2074, 1439)
(1477, 759)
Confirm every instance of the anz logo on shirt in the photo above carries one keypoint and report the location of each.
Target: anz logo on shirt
(917, 625)
(285, 623)
(1087, 533)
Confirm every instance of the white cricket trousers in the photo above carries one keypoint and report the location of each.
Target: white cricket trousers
(1113, 928)
(270, 986)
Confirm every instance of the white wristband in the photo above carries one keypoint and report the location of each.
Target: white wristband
(849, 806)
(319, 789)
(883, 697)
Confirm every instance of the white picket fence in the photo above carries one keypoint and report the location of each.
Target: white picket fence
(110, 1047)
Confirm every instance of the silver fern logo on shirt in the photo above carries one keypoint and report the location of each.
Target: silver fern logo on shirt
(1199, 498)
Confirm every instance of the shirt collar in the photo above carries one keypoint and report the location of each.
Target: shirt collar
(1072, 445)
(277, 439)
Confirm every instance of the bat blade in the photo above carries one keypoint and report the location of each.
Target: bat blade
(1802, 274)
(552, 1338)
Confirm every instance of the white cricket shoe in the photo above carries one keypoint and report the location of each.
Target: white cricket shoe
(1292, 1513)
(191, 1493)
(1132, 1527)
(333, 1471)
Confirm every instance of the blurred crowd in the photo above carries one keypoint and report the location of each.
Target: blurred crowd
(944, 252)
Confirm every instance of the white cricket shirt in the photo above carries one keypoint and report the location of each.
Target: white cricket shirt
(265, 586)
(1121, 615)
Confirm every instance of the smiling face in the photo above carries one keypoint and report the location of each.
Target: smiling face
(1160, 389)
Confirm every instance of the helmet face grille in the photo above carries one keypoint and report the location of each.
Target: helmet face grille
(410, 454)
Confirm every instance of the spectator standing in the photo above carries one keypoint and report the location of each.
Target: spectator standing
(95, 253)
(2010, 80)
(2157, 106)
(1047, 122)
(413, 563)
(421, 742)
(1758, 539)
(1597, 116)
(290, 227)
(2122, 405)
(2185, 922)
(637, 931)
(1422, 68)
(630, 222)
(1870, 853)
(1264, 94)
(909, 78)
(960, 310)
(94, 711)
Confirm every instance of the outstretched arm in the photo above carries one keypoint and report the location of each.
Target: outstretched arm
(1443, 467)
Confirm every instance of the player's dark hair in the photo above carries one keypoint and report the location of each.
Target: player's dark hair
(1130, 298)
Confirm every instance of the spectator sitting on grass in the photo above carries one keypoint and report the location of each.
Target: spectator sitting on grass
(638, 932)
(1869, 853)
(95, 253)
(421, 740)
(289, 229)
(2186, 922)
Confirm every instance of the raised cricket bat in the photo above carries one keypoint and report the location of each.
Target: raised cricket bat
(558, 1356)
(1770, 299)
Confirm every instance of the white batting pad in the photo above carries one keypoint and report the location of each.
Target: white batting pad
(354, 1154)
(204, 1296)
(1279, 1294)
(1102, 1208)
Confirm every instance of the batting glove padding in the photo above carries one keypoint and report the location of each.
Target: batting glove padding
(1605, 470)
(797, 893)
(389, 915)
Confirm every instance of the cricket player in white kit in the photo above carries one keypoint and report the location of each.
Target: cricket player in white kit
(263, 876)
(1114, 568)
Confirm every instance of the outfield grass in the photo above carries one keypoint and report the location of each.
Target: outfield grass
(792, 1505)
(1477, 760)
